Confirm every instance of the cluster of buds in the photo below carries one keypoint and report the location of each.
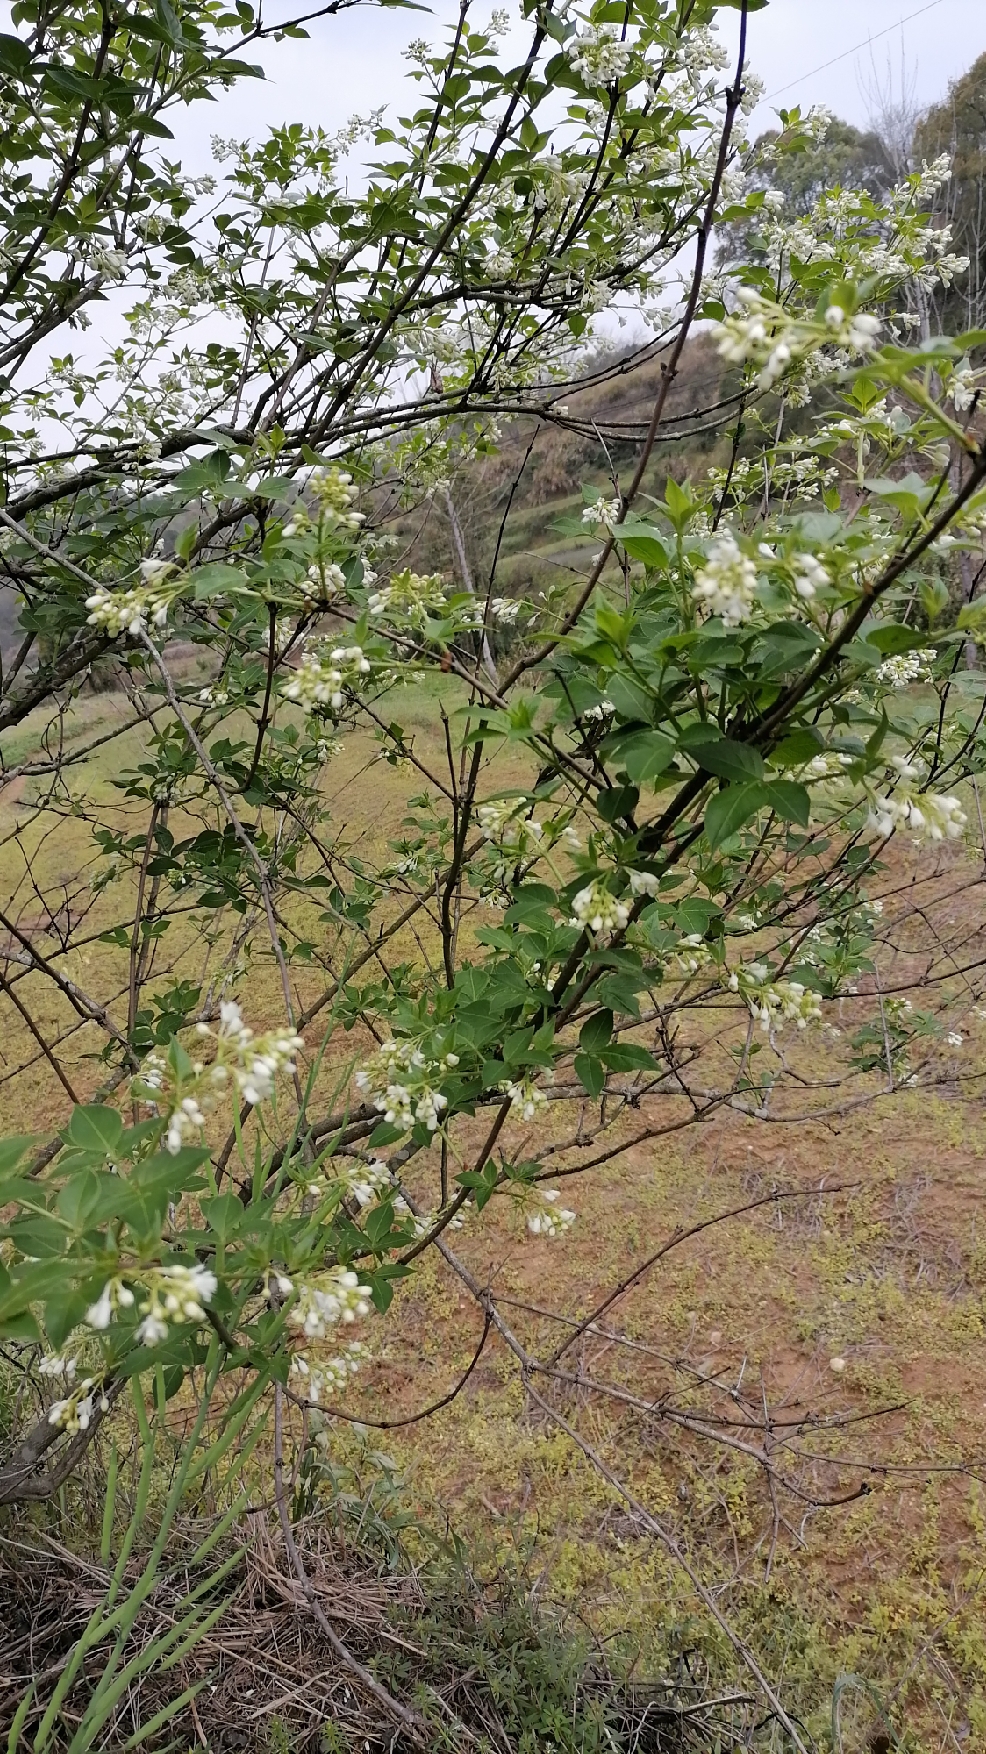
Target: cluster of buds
(401, 1082)
(774, 1003)
(325, 581)
(368, 1181)
(763, 333)
(927, 816)
(691, 955)
(58, 1364)
(134, 610)
(824, 766)
(321, 679)
(252, 1062)
(906, 667)
(170, 1294)
(603, 513)
(526, 1100)
(329, 1375)
(552, 1219)
(596, 910)
(174, 1294)
(75, 1412)
(809, 576)
(505, 610)
(599, 54)
(409, 595)
(323, 1303)
(724, 586)
(507, 828)
(333, 489)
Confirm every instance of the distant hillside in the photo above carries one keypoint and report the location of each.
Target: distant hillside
(606, 422)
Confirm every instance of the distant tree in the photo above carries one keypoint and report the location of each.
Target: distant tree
(831, 155)
(846, 158)
(957, 126)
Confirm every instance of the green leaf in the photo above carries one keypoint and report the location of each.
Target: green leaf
(790, 800)
(892, 637)
(80, 1198)
(617, 801)
(96, 1128)
(629, 1056)
(13, 1149)
(15, 56)
(596, 1032)
(800, 745)
(216, 579)
(644, 756)
(728, 760)
(643, 542)
(590, 1074)
(630, 699)
(731, 809)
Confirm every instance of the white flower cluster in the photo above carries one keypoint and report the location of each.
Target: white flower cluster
(596, 910)
(599, 55)
(322, 1303)
(253, 1062)
(932, 176)
(75, 1412)
(505, 610)
(929, 817)
(774, 1003)
(809, 576)
(409, 594)
(131, 611)
(526, 1100)
(320, 679)
(112, 264)
(765, 333)
(724, 586)
(603, 512)
(333, 488)
(964, 386)
(401, 1082)
(907, 667)
(553, 1220)
(505, 826)
(604, 709)
(858, 330)
(173, 1293)
(692, 954)
(741, 337)
(368, 1180)
(58, 1364)
(329, 1375)
(643, 883)
(326, 580)
(829, 766)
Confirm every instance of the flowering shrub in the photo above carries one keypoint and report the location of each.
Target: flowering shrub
(666, 807)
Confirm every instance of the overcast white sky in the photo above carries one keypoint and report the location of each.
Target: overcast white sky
(352, 63)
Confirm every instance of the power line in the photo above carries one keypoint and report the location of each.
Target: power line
(849, 52)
